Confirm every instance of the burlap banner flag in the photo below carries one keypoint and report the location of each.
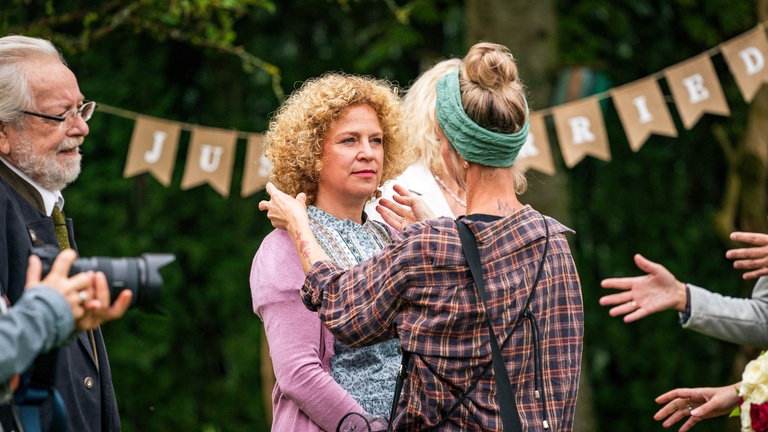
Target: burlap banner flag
(257, 166)
(643, 111)
(581, 131)
(153, 148)
(745, 56)
(696, 89)
(536, 152)
(210, 159)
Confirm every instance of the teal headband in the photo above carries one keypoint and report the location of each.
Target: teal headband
(473, 142)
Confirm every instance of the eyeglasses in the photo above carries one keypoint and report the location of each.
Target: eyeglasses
(85, 111)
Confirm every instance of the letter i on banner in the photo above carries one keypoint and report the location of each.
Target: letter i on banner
(643, 111)
(696, 89)
(210, 159)
(257, 166)
(153, 148)
(536, 152)
(581, 131)
(745, 56)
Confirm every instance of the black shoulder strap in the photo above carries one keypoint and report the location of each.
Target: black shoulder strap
(504, 393)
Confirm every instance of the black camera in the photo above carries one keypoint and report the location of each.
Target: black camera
(140, 275)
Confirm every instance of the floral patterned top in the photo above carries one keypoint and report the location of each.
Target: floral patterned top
(367, 373)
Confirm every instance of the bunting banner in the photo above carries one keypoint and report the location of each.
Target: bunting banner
(153, 148)
(643, 111)
(579, 124)
(210, 159)
(536, 152)
(581, 131)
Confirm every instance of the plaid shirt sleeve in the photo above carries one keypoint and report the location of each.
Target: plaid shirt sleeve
(420, 290)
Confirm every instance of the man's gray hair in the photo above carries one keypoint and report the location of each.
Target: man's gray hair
(15, 93)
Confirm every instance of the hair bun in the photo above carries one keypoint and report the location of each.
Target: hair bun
(490, 66)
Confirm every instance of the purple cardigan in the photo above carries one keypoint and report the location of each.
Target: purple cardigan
(305, 397)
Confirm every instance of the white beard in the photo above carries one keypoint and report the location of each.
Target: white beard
(46, 170)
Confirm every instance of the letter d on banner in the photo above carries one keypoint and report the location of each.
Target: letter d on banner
(746, 58)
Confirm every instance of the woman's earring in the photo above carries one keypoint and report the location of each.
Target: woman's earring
(466, 164)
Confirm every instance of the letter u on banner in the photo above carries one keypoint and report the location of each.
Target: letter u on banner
(210, 159)
(746, 56)
(581, 131)
(153, 148)
(696, 89)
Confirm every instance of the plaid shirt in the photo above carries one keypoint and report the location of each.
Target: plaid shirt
(419, 289)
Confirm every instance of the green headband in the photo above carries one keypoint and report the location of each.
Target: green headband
(473, 142)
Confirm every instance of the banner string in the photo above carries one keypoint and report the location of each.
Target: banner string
(132, 115)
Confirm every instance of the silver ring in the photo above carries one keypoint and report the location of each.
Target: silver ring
(83, 296)
(634, 304)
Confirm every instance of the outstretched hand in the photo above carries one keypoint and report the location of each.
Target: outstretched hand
(754, 259)
(403, 209)
(656, 291)
(281, 207)
(695, 403)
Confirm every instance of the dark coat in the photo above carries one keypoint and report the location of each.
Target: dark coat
(86, 390)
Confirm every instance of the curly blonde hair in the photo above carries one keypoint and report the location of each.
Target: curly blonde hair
(299, 127)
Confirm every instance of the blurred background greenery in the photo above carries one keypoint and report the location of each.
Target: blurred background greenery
(227, 64)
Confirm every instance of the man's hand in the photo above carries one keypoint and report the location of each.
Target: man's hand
(754, 258)
(658, 290)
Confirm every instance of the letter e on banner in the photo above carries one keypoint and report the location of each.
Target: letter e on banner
(153, 148)
(581, 131)
(210, 159)
(643, 111)
(696, 89)
(745, 55)
(536, 152)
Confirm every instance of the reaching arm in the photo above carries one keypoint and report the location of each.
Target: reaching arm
(656, 291)
(754, 259)
(697, 404)
(290, 214)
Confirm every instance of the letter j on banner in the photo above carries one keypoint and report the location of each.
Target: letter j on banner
(210, 159)
(153, 148)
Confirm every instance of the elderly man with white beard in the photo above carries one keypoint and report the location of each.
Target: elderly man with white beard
(43, 123)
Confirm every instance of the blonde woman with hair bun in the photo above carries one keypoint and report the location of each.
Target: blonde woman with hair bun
(420, 290)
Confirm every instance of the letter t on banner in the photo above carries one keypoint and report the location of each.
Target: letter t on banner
(745, 56)
(210, 159)
(581, 131)
(153, 148)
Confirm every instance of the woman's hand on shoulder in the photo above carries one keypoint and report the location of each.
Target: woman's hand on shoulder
(281, 208)
(403, 209)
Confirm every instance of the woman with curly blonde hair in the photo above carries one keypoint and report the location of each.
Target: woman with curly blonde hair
(422, 289)
(335, 140)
